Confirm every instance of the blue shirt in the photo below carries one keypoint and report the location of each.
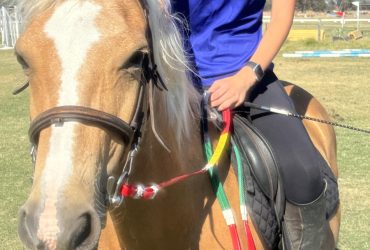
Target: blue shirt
(222, 36)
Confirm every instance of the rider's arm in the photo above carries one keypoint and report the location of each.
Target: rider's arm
(282, 13)
(231, 91)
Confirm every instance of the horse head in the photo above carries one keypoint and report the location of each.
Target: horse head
(81, 54)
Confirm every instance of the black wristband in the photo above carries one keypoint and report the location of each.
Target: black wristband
(257, 69)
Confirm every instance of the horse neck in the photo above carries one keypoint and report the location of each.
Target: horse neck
(183, 201)
(155, 162)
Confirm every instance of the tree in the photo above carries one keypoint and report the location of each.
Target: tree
(318, 5)
(301, 5)
(331, 4)
(315, 5)
(305, 5)
(8, 3)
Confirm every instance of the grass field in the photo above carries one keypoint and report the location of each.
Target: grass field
(342, 85)
(14, 161)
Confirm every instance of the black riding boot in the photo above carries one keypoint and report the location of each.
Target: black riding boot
(305, 226)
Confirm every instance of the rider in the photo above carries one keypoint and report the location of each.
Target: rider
(234, 60)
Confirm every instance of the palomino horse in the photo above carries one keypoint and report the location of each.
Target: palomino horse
(89, 53)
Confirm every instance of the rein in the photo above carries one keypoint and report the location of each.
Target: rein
(130, 133)
(303, 117)
(149, 192)
(213, 158)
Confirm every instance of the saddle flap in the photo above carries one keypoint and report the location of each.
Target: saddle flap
(261, 161)
(259, 156)
(263, 187)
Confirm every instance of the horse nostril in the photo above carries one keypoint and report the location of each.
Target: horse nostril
(25, 229)
(83, 230)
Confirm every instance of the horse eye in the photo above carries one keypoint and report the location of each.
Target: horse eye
(135, 61)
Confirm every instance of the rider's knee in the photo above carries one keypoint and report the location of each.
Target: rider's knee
(304, 183)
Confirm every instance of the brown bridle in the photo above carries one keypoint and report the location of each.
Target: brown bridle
(129, 133)
(89, 116)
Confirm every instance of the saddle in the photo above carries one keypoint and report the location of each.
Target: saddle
(263, 188)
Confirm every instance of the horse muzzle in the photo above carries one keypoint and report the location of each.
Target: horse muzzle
(75, 228)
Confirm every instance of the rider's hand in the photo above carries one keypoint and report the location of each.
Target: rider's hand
(230, 92)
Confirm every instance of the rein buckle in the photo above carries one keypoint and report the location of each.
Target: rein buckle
(114, 188)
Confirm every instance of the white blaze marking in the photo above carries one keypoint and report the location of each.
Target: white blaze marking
(72, 28)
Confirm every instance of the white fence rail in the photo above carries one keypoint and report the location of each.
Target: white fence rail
(9, 27)
(267, 19)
